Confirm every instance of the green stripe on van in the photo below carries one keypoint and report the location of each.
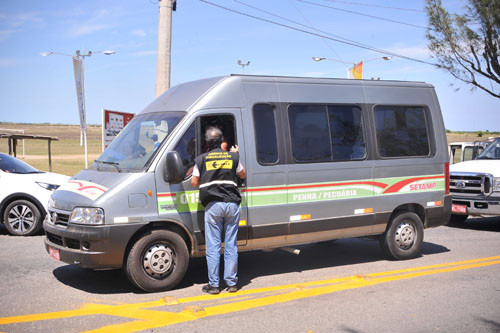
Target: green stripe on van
(187, 201)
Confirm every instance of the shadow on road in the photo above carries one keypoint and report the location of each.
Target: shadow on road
(480, 224)
(251, 265)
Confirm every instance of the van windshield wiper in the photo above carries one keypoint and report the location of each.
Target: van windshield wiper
(115, 164)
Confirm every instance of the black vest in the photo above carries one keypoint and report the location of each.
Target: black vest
(218, 176)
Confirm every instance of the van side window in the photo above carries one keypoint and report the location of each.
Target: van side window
(322, 133)
(310, 133)
(401, 131)
(346, 130)
(265, 134)
(186, 148)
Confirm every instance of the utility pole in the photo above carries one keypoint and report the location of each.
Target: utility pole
(164, 45)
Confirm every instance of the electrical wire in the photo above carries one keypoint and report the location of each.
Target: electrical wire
(355, 44)
(379, 6)
(323, 39)
(298, 23)
(367, 15)
(317, 30)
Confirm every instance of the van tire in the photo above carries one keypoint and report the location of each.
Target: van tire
(404, 237)
(157, 261)
(22, 218)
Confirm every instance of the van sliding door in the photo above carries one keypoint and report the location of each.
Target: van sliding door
(330, 185)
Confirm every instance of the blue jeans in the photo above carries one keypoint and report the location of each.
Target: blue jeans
(222, 217)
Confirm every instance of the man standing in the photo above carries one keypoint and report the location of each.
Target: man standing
(215, 172)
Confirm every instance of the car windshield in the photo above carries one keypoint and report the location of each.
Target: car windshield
(492, 152)
(13, 165)
(137, 142)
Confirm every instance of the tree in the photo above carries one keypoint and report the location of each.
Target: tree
(467, 46)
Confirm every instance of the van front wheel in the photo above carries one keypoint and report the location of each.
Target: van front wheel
(158, 261)
(404, 237)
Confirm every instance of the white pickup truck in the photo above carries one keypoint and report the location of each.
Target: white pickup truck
(475, 185)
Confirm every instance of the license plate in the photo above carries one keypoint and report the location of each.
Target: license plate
(54, 253)
(459, 209)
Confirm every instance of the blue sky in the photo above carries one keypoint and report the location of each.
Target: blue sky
(207, 41)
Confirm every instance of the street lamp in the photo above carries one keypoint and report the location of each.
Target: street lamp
(360, 64)
(318, 59)
(243, 66)
(78, 59)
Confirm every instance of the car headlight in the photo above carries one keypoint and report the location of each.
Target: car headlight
(496, 184)
(87, 215)
(47, 186)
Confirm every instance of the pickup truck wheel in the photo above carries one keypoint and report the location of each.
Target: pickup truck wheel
(457, 219)
(158, 261)
(22, 218)
(404, 237)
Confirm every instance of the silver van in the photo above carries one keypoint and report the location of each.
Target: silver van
(325, 159)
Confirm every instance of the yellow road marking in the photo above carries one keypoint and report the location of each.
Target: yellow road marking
(212, 305)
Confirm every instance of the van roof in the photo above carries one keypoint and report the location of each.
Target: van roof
(227, 91)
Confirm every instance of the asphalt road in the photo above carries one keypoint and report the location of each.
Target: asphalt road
(342, 286)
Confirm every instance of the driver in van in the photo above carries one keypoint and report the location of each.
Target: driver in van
(215, 173)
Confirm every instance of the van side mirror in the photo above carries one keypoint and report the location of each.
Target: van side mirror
(174, 169)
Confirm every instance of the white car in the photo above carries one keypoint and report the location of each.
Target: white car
(24, 195)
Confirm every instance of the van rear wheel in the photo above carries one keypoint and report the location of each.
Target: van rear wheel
(404, 237)
(158, 261)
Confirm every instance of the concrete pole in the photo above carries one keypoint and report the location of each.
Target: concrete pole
(164, 47)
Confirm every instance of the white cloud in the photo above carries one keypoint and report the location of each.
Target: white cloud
(86, 29)
(18, 20)
(139, 33)
(5, 34)
(145, 53)
(7, 62)
(417, 51)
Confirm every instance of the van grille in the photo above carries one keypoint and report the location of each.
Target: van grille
(469, 184)
(60, 218)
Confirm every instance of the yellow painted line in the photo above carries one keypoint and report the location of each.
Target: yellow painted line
(212, 305)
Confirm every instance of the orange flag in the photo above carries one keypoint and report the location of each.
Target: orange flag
(356, 71)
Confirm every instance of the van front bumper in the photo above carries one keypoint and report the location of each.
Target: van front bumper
(480, 205)
(95, 247)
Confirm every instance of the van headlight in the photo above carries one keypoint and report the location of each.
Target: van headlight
(87, 215)
(496, 184)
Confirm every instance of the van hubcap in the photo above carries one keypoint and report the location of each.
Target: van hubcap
(158, 260)
(21, 218)
(405, 235)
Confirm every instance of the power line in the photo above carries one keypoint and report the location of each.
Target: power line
(311, 25)
(372, 16)
(379, 6)
(295, 22)
(317, 30)
(318, 35)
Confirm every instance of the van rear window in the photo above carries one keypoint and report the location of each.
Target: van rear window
(326, 133)
(402, 131)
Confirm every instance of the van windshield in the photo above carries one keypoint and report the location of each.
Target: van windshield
(492, 152)
(138, 141)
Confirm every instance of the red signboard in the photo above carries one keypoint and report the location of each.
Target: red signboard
(112, 123)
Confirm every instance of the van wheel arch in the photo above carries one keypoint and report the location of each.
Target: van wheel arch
(165, 225)
(410, 207)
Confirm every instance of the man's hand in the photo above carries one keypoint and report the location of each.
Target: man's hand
(234, 149)
(195, 181)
